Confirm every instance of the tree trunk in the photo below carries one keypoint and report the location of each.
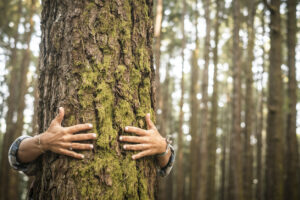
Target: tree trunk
(292, 181)
(194, 89)
(96, 62)
(260, 122)
(14, 116)
(275, 131)
(202, 178)
(249, 115)
(157, 44)
(180, 168)
(212, 139)
(235, 161)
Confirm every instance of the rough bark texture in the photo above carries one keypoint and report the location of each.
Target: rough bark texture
(292, 181)
(212, 139)
(96, 62)
(249, 114)
(275, 131)
(235, 161)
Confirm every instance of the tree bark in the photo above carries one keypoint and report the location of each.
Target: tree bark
(96, 62)
(275, 131)
(235, 161)
(292, 181)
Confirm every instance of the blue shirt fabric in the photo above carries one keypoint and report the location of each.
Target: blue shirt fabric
(30, 168)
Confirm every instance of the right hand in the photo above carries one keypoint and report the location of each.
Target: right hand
(61, 140)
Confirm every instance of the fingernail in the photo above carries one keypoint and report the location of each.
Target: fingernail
(148, 114)
(124, 147)
(133, 157)
(120, 138)
(82, 156)
(91, 146)
(94, 135)
(90, 125)
(126, 128)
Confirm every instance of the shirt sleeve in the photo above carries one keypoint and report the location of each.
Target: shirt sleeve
(27, 168)
(163, 172)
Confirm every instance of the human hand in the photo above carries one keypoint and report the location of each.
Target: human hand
(61, 140)
(148, 142)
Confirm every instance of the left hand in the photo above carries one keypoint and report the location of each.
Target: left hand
(148, 142)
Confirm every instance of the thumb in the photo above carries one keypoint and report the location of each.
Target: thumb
(60, 115)
(150, 124)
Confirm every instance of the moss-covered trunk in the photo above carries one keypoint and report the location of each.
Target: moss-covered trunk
(96, 62)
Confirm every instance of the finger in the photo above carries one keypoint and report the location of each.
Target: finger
(81, 137)
(150, 124)
(70, 153)
(78, 146)
(133, 139)
(78, 127)
(142, 154)
(60, 116)
(136, 147)
(135, 130)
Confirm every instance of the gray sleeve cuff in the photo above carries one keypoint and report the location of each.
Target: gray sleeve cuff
(163, 172)
(27, 168)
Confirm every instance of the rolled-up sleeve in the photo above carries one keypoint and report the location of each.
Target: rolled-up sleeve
(27, 168)
(167, 169)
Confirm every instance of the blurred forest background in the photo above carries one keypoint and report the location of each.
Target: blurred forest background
(226, 91)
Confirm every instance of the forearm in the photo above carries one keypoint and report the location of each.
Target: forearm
(163, 160)
(29, 149)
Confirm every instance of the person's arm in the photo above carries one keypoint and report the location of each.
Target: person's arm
(26, 149)
(57, 139)
(148, 142)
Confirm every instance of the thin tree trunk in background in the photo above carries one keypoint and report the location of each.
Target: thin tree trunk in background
(194, 105)
(212, 139)
(235, 161)
(292, 181)
(180, 168)
(260, 123)
(275, 131)
(204, 119)
(162, 183)
(249, 115)
(9, 177)
(157, 44)
(96, 62)
(165, 183)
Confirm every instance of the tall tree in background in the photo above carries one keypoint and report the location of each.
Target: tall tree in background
(19, 65)
(275, 131)
(235, 188)
(292, 180)
(260, 119)
(204, 120)
(212, 138)
(157, 44)
(249, 114)
(180, 169)
(193, 188)
(96, 62)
